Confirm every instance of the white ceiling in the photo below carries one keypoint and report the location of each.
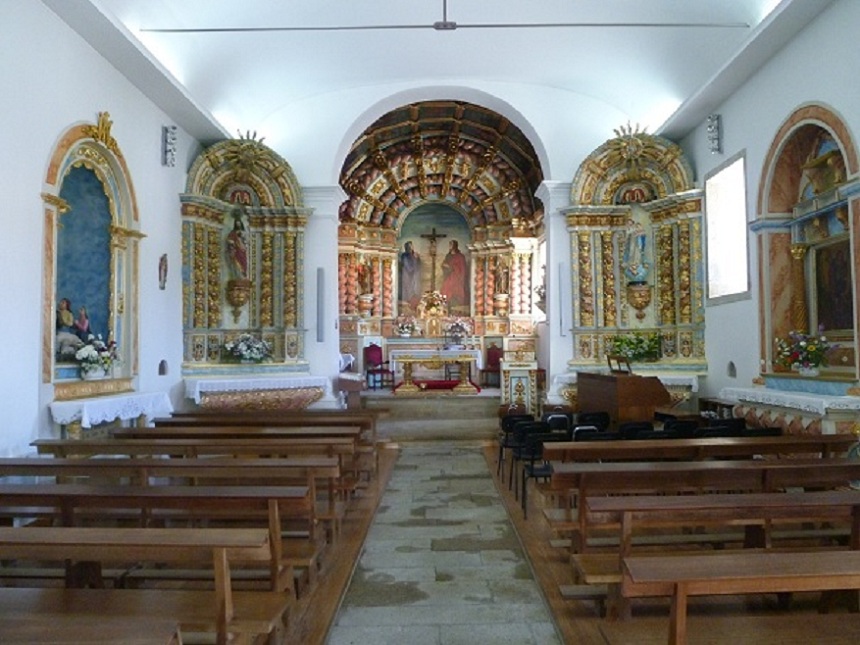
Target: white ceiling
(638, 71)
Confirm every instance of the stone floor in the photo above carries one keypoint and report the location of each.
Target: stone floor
(442, 564)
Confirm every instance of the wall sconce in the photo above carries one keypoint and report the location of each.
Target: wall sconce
(715, 135)
(168, 145)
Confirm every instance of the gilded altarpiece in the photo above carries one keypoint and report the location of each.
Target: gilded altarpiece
(243, 226)
(635, 227)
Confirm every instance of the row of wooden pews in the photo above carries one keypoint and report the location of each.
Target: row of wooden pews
(650, 518)
(218, 532)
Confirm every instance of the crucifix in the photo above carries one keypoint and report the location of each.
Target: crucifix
(433, 236)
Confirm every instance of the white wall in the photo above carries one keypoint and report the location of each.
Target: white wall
(53, 80)
(817, 67)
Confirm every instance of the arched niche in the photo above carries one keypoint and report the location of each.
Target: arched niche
(635, 226)
(806, 225)
(243, 225)
(91, 256)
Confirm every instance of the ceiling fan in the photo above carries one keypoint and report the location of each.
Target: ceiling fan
(450, 25)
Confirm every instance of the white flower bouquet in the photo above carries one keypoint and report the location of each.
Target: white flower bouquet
(97, 355)
(247, 348)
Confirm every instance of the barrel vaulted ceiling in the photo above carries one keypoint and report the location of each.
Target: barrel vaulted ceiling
(507, 92)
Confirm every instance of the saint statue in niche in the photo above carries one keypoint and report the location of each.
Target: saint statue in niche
(237, 249)
(636, 265)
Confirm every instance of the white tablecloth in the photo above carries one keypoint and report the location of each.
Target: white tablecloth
(815, 403)
(194, 387)
(102, 409)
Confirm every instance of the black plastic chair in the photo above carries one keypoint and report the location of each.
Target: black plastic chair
(506, 438)
(684, 428)
(534, 465)
(599, 419)
(559, 422)
(630, 429)
(518, 452)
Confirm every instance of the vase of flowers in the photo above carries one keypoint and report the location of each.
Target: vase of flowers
(635, 346)
(247, 348)
(406, 326)
(804, 353)
(457, 329)
(97, 358)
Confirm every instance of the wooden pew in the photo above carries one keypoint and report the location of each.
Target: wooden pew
(756, 512)
(700, 448)
(343, 448)
(215, 546)
(735, 573)
(270, 447)
(353, 432)
(366, 419)
(265, 504)
(753, 475)
(304, 470)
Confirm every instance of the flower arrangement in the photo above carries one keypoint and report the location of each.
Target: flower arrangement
(433, 303)
(458, 327)
(802, 350)
(97, 355)
(247, 348)
(635, 346)
(406, 326)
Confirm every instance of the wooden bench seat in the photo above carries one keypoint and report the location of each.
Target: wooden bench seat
(61, 629)
(734, 627)
(254, 612)
(735, 573)
(699, 448)
(85, 549)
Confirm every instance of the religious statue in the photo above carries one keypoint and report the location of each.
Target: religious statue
(503, 278)
(636, 265)
(237, 250)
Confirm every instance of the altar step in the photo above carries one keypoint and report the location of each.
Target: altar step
(442, 417)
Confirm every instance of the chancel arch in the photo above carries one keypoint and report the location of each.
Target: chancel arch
(469, 176)
(807, 223)
(91, 260)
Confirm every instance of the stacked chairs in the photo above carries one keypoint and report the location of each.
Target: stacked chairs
(506, 437)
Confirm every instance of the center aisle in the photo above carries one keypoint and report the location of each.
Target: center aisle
(442, 564)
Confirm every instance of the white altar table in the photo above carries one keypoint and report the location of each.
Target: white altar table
(102, 409)
(407, 358)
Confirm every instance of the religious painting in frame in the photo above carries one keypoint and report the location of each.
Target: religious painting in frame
(434, 256)
(834, 290)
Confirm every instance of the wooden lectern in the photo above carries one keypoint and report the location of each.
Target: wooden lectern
(626, 397)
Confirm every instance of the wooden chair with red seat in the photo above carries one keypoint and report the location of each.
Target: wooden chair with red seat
(492, 365)
(377, 372)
